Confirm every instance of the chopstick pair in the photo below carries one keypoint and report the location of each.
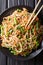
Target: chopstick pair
(31, 21)
(36, 15)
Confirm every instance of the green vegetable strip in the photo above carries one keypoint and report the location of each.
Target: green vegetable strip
(0, 29)
(37, 43)
(2, 32)
(37, 26)
(22, 30)
(15, 21)
(9, 32)
(19, 10)
(14, 52)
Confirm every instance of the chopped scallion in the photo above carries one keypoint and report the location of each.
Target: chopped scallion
(19, 10)
(22, 30)
(15, 21)
(1, 30)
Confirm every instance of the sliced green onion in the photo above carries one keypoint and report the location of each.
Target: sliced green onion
(14, 52)
(37, 43)
(19, 27)
(22, 30)
(37, 26)
(15, 21)
(32, 31)
(19, 10)
(1, 30)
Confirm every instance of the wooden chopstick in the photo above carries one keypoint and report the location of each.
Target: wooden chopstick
(36, 15)
(33, 12)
